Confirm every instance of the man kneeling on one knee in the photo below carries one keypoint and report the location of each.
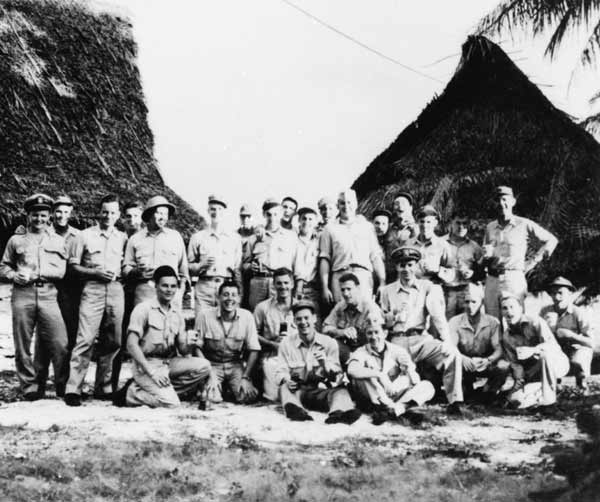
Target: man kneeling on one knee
(309, 372)
(383, 375)
(156, 332)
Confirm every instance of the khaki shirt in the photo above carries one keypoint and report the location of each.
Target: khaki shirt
(165, 247)
(482, 342)
(44, 255)
(344, 244)
(435, 255)
(409, 307)
(298, 358)
(398, 236)
(393, 359)
(99, 249)
(351, 316)
(511, 241)
(245, 234)
(222, 344)
(574, 319)
(224, 246)
(463, 254)
(156, 328)
(275, 250)
(307, 258)
(530, 331)
(268, 316)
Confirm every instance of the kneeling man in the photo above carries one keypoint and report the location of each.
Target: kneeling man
(309, 372)
(156, 332)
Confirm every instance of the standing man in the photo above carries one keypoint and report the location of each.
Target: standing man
(464, 257)
(274, 321)
(381, 222)
(275, 248)
(152, 247)
(132, 217)
(156, 332)
(307, 360)
(346, 323)
(505, 246)
(533, 354)
(328, 211)
(349, 245)
(307, 257)
(245, 230)
(214, 255)
(403, 229)
(410, 305)
(572, 328)
(33, 262)
(97, 258)
(225, 334)
(478, 338)
(289, 206)
(435, 251)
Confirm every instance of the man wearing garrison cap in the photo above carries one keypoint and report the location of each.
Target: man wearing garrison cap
(506, 247)
(214, 256)
(33, 261)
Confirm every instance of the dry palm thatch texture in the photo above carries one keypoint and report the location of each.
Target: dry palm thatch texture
(72, 112)
(490, 126)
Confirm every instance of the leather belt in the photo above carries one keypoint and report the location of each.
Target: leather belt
(39, 283)
(408, 332)
(262, 274)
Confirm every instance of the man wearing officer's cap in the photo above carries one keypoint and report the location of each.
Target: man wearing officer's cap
(154, 246)
(410, 305)
(403, 229)
(214, 256)
(572, 327)
(478, 338)
(349, 245)
(306, 265)
(33, 261)
(506, 247)
(272, 249)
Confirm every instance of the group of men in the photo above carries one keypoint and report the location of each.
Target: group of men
(317, 308)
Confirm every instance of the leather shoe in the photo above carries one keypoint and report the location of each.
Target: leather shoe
(72, 399)
(294, 412)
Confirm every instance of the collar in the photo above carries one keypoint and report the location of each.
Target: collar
(218, 232)
(511, 221)
(307, 239)
(360, 306)
(415, 285)
(154, 304)
(483, 321)
(279, 230)
(569, 310)
(456, 243)
(157, 232)
(374, 353)
(105, 233)
(317, 340)
(235, 317)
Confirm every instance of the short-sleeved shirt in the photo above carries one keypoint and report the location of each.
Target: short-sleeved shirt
(155, 249)
(349, 243)
(398, 236)
(574, 319)
(99, 249)
(224, 342)
(530, 331)
(344, 316)
(44, 255)
(409, 307)
(157, 328)
(480, 342)
(276, 249)
(224, 246)
(69, 236)
(435, 254)
(463, 253)
(269, 315)
(297, 357)
(393, 358)
(307, 258)
(245, 234)
(511, 241)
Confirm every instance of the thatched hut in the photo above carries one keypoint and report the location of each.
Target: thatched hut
(491, 126)
(72, 113)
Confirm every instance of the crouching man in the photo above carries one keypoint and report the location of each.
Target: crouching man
(309, 372)
(533, 354)
(477, 336)
(383, 376)
(156, 331)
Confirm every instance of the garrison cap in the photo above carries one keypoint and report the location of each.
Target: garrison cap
(216, 199)
(290, 199)
(428, 210)
(63, 200)
(269, 203)
(323, 201)
(304, 304)
(245, 210)
(164, 271)
(153, 203)
(406, 196)
(382, 212)
(406, 253)
(561, 282)
(38, 201)
(504, 190)
(306, 210)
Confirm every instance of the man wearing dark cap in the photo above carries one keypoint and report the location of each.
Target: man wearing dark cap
(410, 305)
(307, 360)
(154, 246)
(33, 261)
(97, 258)
(306, 263)
(272, 249)
(214, 256)
(435, 251)
(156, 335)
(506, 247)
(572, 328)
(289, 205)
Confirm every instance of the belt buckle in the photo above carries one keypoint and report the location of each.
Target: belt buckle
(38, 283)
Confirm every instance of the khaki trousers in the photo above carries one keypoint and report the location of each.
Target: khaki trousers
(496, 374)
(206, 293)
(368, 391)
(100, 316)
(314, 398)
(512, 281)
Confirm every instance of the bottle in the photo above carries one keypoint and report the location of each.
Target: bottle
(283, 329)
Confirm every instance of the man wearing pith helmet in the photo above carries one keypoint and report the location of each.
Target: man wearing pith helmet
(33, 261)
(154, 246)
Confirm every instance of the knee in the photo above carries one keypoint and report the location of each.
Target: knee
(503, 366)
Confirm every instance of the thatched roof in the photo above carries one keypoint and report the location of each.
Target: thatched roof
(491, 126)
(72, 113)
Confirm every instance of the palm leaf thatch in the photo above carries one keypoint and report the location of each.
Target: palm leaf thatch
(492, 126)
(72, 113)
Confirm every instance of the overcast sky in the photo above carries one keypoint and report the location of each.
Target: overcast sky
(251, 99)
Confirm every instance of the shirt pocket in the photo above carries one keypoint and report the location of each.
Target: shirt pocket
(26, 257)
(95, 258)
(235, 343)
(167, 257)
(55, 258)
(155, 334)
